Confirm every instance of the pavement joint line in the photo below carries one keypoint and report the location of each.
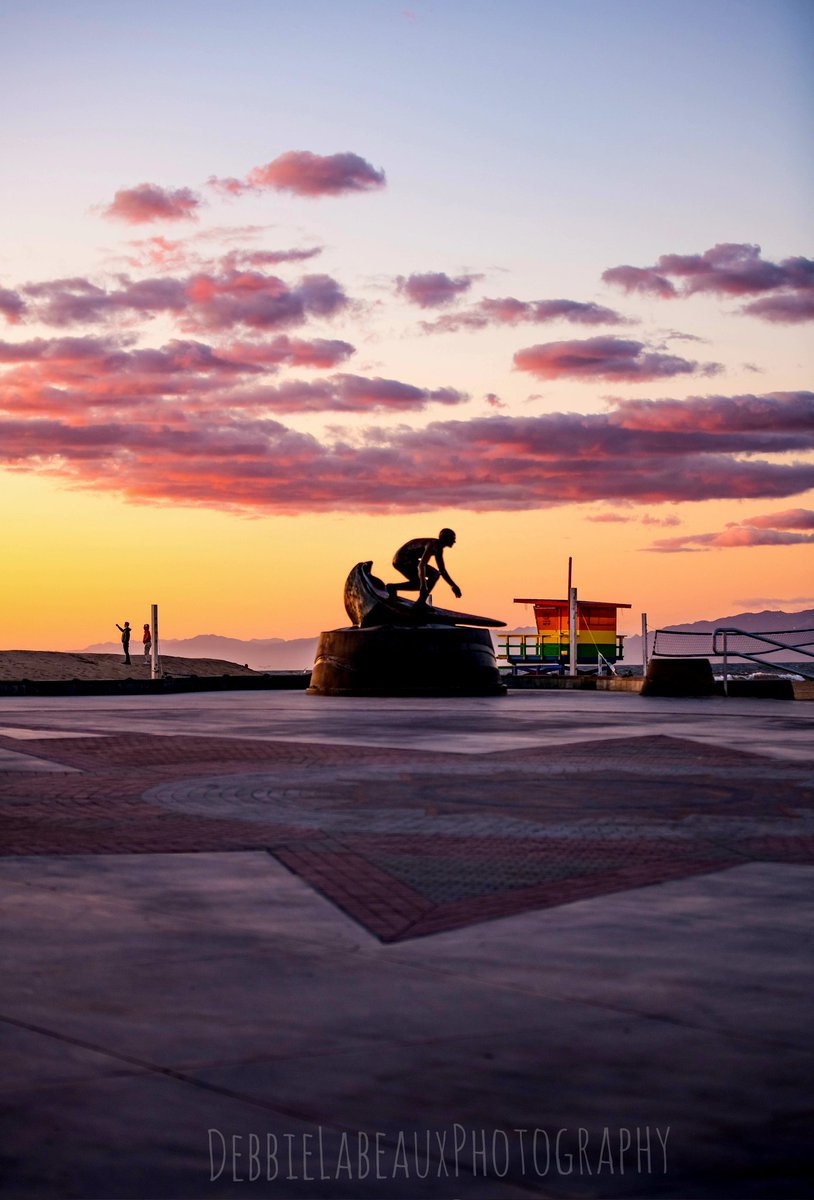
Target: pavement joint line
(289, 1112)
(617, 1008)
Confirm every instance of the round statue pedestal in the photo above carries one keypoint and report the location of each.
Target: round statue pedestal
(390, 660)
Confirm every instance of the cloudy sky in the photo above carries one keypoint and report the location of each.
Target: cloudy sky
(282, 286)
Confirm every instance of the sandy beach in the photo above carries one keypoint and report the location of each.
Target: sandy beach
(47, 665)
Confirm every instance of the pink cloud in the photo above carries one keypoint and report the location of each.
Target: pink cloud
(605, 358)
(72, 377)
(307, 174)
(59, 350)
(776, 413)
(76, 378)
(12, 305)
(341, 393)
(321, 295)
(644, 280)
(616, 518)
(228, 186)
(203, 301)
(176, 254)
(728, 269)
(295, 352)
(158, 252)
(665, 522)
(149, 202)
(236, 259)
(787, 309)
(188, 424)
(164, 252)
(612, 518)
(735, 536)
(389, 393)
(786, 528)
(434, 288)
(257, 464)
(79, 301)
(579, 313)
(509, 311)
(230, 233)
(790, 518)
(257, 301)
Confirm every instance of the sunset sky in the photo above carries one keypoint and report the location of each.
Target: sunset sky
(283, 285)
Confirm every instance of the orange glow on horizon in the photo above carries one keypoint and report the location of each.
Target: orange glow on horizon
(79, 562)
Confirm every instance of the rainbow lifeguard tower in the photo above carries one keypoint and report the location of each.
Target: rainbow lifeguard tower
(598, 643)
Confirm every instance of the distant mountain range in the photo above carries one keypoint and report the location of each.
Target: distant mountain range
(261, 654)
(297, 654)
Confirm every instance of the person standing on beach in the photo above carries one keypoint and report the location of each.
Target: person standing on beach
(147, 640)
(125, 641)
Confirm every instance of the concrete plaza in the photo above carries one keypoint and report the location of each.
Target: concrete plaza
(552, 944)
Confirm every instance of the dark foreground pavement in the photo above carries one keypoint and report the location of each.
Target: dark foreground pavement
(553, 944)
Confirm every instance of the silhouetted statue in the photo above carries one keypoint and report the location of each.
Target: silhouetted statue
(370, 602)
(413, 560)
(401, 647)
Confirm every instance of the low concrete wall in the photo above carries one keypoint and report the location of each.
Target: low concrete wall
(576, 683)
(679, 677)
(161, 687)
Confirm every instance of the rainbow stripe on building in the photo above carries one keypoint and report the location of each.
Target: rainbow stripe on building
(597, 637)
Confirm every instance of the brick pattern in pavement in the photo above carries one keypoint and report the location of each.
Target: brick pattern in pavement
(412, 843)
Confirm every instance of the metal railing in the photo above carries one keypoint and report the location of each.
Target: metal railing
(522, 649)
(723, 647)
(728, 642)
(545, 650)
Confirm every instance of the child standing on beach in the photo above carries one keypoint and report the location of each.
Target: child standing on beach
(148, 641)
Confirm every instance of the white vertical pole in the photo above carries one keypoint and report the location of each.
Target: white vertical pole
(154, 671)
(572, 631)
(726, 667)
(644, 643)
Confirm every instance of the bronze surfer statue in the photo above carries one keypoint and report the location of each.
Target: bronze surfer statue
(413, 561)
(369, 601)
